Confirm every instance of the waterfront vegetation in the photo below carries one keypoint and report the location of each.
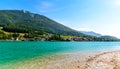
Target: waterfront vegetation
(31, 36)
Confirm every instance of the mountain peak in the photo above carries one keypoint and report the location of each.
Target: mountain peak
(24, 11)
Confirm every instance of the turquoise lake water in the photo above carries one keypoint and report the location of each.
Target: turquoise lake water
(15, 51)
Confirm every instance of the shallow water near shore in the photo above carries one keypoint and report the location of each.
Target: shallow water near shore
(13, 52)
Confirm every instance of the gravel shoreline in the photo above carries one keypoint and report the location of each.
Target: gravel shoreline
(82, 60)
(104, 60)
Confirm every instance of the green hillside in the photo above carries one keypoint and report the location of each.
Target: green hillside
(24, 21)
(24, 25)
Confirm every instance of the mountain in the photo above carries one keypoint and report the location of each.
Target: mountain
(24, 21)
(91, 33)
(102, 37)
(107, 38)
(33, 25)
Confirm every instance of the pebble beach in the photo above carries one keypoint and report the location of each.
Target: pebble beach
(99, 60)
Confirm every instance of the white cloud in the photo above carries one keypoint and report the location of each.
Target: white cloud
(48, 7)
(44, 6)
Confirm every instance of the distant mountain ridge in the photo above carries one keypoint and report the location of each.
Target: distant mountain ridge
(109, 37)
(103, 37)
(91, 33)
(24, 21)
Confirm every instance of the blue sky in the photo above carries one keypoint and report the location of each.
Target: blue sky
(101, 16)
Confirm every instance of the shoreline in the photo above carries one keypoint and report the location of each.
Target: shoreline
(78, 60)
(98, 60)
(105, 60)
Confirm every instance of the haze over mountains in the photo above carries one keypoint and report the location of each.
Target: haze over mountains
(91, 33)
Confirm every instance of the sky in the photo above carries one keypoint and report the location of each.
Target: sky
(101, 16)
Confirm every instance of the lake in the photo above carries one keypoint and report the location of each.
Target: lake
(13, 51)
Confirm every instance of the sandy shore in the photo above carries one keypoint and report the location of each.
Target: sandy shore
(88, 60)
